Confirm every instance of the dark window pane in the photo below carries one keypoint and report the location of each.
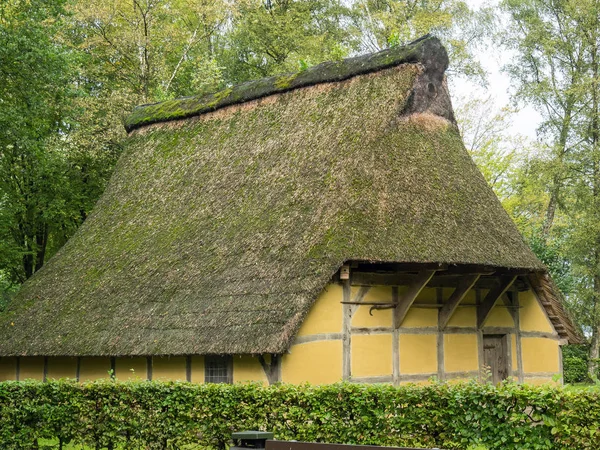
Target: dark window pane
(217, 369)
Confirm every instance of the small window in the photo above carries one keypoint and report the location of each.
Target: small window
(218, 369)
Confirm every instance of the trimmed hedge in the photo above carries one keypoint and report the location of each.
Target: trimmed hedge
(155, 415)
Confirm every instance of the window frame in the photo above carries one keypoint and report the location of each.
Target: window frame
(225, 362)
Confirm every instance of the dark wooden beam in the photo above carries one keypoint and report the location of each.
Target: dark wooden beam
(464, 286)
(441, 279)
(407, 299)
(484, 310)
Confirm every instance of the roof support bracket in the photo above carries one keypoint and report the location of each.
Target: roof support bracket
(409, 297)
(484, 310)
(464, 285)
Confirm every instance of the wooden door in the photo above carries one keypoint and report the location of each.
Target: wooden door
(495, 356)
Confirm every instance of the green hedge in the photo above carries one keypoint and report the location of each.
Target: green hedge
(575, 363)
(154, 415)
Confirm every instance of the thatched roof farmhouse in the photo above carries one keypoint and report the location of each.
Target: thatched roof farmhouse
(231, 216)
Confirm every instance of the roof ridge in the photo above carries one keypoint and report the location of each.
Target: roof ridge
(426, 50)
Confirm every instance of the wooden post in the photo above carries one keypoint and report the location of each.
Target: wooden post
(149, 368)
(45, 375)
(395, 341)
(188, 368)
(520, 373)
(480, 355)
(272, 369)
(440, 339)
(78, 368)
(346, 332)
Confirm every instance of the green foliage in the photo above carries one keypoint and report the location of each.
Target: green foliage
(154, 415)
(378, 24)
(34, 94)
(575, 364)
(278, 36)
(556, 68)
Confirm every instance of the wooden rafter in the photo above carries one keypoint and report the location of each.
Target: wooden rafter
(464, 286)
(484, 310)
(408, 298)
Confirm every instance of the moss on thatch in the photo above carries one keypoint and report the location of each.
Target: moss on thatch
(424, 51)
(216, 235)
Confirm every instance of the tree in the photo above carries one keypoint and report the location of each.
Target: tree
(556, 68)
(483, 129)
(151, 50)
(380, 24)
(34, 94)
(277, 36)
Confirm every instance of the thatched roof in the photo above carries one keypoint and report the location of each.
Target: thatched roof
(217, 233)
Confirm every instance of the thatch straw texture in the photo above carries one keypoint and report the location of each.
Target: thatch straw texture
(216, 234)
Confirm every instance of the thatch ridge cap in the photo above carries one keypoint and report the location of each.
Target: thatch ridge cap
(426, 50)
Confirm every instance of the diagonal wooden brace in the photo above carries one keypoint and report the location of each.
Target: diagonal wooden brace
(407, 299)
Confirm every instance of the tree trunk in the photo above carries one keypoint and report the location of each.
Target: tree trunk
(556, 179)
(41, 239)
(551, 209)
(595, 141)
(594, 353)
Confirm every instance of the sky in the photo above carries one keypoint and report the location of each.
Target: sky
(525, 121)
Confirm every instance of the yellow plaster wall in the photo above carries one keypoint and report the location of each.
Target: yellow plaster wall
(540, 355)
(169, 369)
(420, 317)
(380, 318)
(8, 368)
(532, 317)
(248, 368)
(316, 362)
(61, 367)
(460, 352)
(92, 368)
(31, 368)
(371, 355)
(427, 295)
(418, 353)
(131, 368)
(197, 369)
(376, 294)
(325, 316)
(464, 317)
(499, 317)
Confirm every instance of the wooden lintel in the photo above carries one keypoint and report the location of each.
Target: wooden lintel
(408, 298)
(464, 286)
(484, 310)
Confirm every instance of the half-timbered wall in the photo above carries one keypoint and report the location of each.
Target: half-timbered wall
(344, 338)
(175, 368)
(352, 333)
